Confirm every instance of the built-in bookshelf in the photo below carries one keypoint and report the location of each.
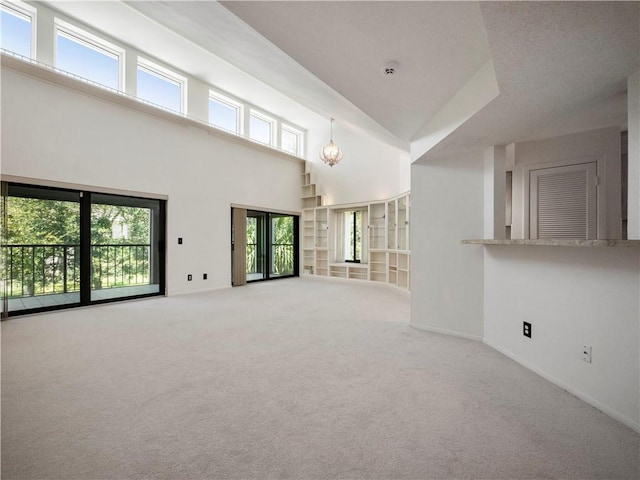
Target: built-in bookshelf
(322, 227)
(391, 224)
(377, 226)
(386, 258)
(377, 266)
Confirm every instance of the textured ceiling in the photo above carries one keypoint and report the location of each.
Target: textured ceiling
(561, 68)
(438, 46)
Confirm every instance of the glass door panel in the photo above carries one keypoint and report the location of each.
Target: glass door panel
(272, 245)
(256, 246)
(282, 245)
(125, 246)
(391, 225)
(40, 249)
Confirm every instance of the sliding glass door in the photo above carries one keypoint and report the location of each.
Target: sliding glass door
(283, 250)
(270, 248)
(64, 247)
(125, 236)
(41, 248)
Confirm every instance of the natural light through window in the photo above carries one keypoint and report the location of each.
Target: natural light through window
(290, 141)
(16, 30)
(160, 87)
(260, 129)
(353, 236)
(224, 113)
(85, 57)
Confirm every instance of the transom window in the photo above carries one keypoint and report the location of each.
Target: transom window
(88, 56)
(291, 140)
(16, 23)
(261, 128)
(161, 86)
(225, 113)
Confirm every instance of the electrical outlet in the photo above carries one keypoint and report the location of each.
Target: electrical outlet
(179, 240)
(526, 329)
(586, 353)
(189, 277)
(204, 276)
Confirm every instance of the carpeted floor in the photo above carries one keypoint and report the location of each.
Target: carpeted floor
(299, 378)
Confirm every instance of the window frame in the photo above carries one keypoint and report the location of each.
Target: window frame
(298, 133)
(223, 99)
(167, 74)
(272, 126)
(89, 40)
(21, 9)
(85, 199)
(353, 236)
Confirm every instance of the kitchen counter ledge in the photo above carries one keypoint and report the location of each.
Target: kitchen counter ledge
(558, 242)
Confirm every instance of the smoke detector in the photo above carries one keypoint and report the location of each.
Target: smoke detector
(390, 69)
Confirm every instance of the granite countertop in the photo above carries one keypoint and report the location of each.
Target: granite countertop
(557, 242)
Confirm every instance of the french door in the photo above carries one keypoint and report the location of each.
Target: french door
(63, 248)
(264, 245)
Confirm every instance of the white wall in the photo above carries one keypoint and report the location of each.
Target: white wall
(54, 133)
(369, 170)
(633, 117)
(446, 277)
(571, 296)
(602, 144)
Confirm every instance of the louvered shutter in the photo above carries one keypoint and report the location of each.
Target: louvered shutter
(563, 202)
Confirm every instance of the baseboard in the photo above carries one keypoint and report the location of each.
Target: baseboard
(202, 290)
(447, 332)
(574, 391)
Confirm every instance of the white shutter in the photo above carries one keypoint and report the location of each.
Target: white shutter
(564, 201)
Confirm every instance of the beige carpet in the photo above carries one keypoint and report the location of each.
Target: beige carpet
(299, 378)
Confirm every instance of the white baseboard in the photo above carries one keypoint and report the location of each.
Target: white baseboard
(447, 332)
(202, 290)
(581, 395)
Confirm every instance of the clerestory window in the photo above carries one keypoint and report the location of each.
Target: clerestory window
(87, 56)
(161, 86)
(16, 23)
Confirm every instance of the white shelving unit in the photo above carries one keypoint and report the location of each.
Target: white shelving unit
(322, 227)
(402, 223)
(378, 265)
(356, 271)
(377, 226)
(388, 255)
(392, 206)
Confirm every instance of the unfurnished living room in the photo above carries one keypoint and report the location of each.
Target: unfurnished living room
(320, 239)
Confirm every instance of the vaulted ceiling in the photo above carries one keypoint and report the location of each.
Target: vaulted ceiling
(525, 70)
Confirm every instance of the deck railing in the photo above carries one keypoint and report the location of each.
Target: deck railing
(283, 255)
(47, 269)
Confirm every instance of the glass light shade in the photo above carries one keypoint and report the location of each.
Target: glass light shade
(331, 154)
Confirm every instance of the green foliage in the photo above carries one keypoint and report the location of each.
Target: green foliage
(281, 241)
(34, 221)
(38, 269)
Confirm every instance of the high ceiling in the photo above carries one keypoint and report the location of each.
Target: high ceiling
(557, 67)
(437, 46)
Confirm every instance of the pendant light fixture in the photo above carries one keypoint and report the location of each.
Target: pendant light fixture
(331, 154)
